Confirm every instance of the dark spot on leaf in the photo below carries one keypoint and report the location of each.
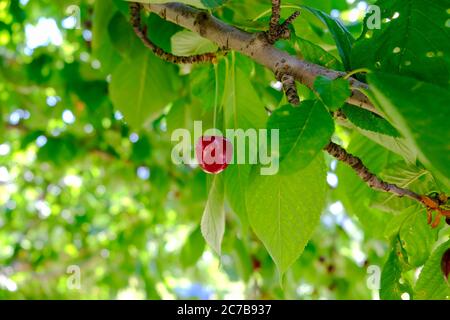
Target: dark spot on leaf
(331, 269)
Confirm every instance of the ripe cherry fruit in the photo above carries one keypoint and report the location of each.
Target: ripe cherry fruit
(214, 153)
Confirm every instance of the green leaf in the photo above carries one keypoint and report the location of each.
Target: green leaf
(243, 259)
(187, 43)
(284, 213)
(122, 6)
(141, 150)
(333, 93)
(394, 225)
(161, 31)
(213, 3)
(204, 4)
(399, 146)
(58, 151)
(182, 115)
(416, 236)
(242, 106)
(414, 43)
(303, 132)
(192, 249)
(315, 54)
(431, 283)
(242, 110)
(141, 88)
(344, 40)
(122, 36)
(370, 121)
(213, 220)
(236, 180)
(202, 81)
(419, 111)
(102, 47)
(393, 285)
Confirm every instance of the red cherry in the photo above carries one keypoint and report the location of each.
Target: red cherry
(214, 153)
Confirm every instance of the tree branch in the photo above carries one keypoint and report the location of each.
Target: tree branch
(431, 204)
(141, 32)
(284, 27)
(277, 30)
(289, 87)
(363, 172)
(255, 46)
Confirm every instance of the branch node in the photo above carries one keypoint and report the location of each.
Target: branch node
(289, 86)
(437, 204)
(285, 33)
(290, 89)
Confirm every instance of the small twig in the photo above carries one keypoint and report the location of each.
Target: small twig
(281, 31)
(376, 183)
(356, 71)
(276, 30)
(141, 32)
(363, 172)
